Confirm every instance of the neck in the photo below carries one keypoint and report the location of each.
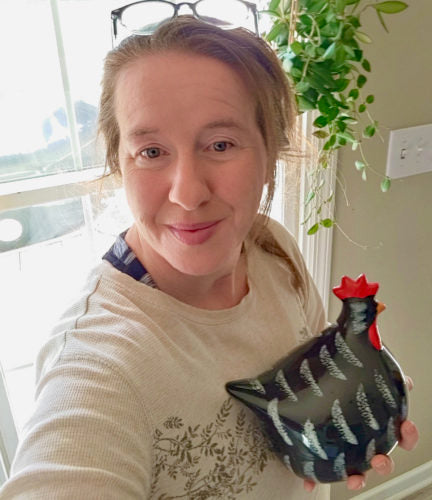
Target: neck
(221, 290)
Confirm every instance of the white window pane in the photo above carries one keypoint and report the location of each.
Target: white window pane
(40, 280)
(33, 127)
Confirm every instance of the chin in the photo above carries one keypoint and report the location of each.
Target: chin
(203, 264)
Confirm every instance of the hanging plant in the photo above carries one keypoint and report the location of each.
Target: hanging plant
(320, 44)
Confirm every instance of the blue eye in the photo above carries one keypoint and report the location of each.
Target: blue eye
(221, 146)
(151, 153)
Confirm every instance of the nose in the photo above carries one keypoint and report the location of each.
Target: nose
(189, 186)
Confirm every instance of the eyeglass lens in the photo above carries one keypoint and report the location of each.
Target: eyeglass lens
(143, 18)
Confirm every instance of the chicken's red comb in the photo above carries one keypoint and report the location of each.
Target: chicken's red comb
(359, 288)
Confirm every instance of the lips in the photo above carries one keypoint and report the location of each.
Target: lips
(194, 234)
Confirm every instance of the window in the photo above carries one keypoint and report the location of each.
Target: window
(55, 221)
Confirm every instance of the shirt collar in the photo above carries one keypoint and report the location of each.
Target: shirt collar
(122, 257)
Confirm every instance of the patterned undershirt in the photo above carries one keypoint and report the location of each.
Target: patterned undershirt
(122, 257)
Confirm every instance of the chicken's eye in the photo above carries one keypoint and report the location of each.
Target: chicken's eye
(151, 153)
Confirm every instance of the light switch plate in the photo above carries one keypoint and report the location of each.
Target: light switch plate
(410, 151)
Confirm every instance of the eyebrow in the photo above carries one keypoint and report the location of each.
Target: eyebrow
(222, 123)
(140, 132)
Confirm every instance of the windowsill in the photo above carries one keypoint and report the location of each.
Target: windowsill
(53, 180)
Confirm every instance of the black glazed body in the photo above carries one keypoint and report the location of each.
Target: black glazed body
(332, 403)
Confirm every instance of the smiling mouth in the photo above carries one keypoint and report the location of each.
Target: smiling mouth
(193, 227)
(194, 234)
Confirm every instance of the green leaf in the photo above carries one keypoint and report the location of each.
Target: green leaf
(364, 175)
(370, 99)
(340, 6)
(320, 122)
(359, 165)
(327, 222)
(355, 145)
(277, 29)
(330, 51)
(366, 65)
(274, 4)
(296, 73)
(304, 104)
(330, 143)
(296, 47)
(333, 113)
(354, 93)
(302, 87)
(310, 197)
(361, 80)
(341, 84)
(310, 50)
(369, 131)
(347, 136)
(385, 185)
(354, 21)
(362, 108)
(381, 20)
(390, 6)
(321, 134)
(363, 37)
(313, 229)
(270, 12)
(323, 105)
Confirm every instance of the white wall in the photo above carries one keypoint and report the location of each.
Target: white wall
(396, 226)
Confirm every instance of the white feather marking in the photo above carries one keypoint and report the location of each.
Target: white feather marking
(391, 432)
(341, 425)
(384, 389)
(312, 439)
(273, 412)
(339, 466)
(283, 384)
(307, 376)
(309, 471)
(287, 462)
(346, 352)
(257, 386)
(329, 363)
(358, 317)
(370, 450)
(365, 409)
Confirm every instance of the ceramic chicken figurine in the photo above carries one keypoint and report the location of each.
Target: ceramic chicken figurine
(338, 399)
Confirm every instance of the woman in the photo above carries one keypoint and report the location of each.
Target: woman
(200, 290)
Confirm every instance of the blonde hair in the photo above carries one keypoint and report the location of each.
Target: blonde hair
(252, 59)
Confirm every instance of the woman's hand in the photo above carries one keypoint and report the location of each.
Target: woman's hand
(382, 464)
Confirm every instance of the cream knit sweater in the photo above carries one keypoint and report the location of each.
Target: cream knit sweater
(130, 400)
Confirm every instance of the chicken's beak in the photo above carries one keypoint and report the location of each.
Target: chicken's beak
(380, 307)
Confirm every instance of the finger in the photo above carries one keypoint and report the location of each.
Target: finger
(356, 482)
(308, 485)
(382, 464)
(409, 435)
(409, 382)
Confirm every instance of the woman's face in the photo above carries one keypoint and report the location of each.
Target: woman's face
(192, 158)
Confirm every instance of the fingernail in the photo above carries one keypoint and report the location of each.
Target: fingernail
(309, 487)
(360, 485)
(380, 464)
(409, 426)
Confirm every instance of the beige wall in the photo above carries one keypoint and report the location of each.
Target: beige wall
(396, 226)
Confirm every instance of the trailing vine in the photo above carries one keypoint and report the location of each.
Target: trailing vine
(320, 45)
